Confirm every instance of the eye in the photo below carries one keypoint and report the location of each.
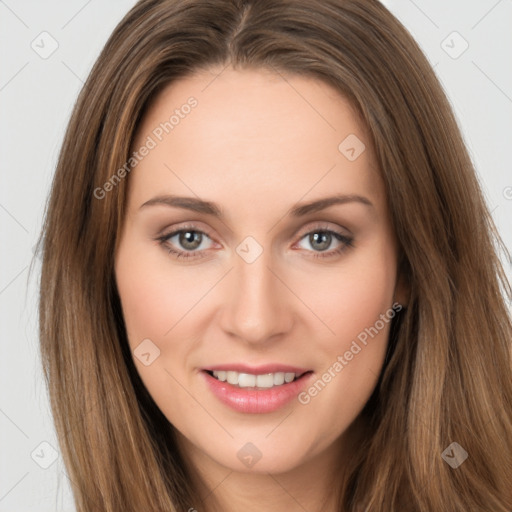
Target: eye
(188, 238)
(321, 238)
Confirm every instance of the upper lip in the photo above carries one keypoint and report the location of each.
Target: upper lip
(257, 370)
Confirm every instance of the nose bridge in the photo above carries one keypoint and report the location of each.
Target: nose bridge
(257, 308)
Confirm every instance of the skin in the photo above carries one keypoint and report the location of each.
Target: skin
(257, 144)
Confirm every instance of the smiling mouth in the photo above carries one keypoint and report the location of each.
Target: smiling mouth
(260, 381)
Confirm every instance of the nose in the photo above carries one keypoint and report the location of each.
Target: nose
(258, 306)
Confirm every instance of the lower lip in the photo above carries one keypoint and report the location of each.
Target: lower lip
(256, 401)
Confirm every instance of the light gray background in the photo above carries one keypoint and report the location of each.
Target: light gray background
(36, 97)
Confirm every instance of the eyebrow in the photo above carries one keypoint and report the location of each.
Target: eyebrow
(209, 208)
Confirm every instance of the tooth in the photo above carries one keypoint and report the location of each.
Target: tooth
(265, 381)
(278, 378)
(246, 380)
(232, 377)
(288, 377)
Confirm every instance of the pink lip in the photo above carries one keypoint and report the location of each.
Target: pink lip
(257, 370)
(252, 400)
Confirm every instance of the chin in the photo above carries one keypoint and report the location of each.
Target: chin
(255, 458)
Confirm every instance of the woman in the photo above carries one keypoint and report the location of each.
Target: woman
(202, 352)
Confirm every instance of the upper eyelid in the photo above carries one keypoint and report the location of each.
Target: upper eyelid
(173, 232)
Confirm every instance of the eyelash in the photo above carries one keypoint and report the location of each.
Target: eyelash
(347, 242)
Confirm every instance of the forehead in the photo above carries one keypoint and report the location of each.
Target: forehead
(253, 134)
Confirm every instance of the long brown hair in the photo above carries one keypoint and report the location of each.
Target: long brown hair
(448, 375)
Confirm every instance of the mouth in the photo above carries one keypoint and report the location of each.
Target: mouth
(256, 391)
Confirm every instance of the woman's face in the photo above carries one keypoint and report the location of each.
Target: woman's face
(270, 279)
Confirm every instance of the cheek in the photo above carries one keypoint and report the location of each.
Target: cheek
(351, 298)
(154, 297)
(365, 297)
